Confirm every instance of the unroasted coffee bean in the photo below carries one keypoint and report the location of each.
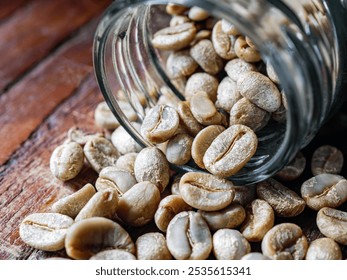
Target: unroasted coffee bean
(250, 42)
(67, 161)
(114, 254)
(100, 153)
(178, 19)
(246, 52)
(294, 169)
(79, 136)
(227, 95)
(126, 162)
(229, 244)
(201, 82)
(222, 42)
(324, 190)
(201, 35)
(175, 37)
(285, 242)
(168, 208)
(45, 231)
(190, 123)
(229, 28)
(246, 113)
(333, 223)
(272, 74)
(178, 149)
(175, 187)
(152, 165)
(103, 204)
(244, 195)
(205, 55)
(90, 236)
(152, 246)
(254, 257)
(324, 249)
(125, 143)
(139, 204)
(260, 90)
(188, 237)
(206, 192)
(160, 124)
(197, 14)
(180, 64)
(260, 218)
(326, 159)
(237, 66)
(203, 141)
(284, 201)
(72, 204)
(230, 217)
(175, 9)
(230, 150)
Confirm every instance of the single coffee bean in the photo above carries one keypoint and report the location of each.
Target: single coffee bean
(79, 136)
(229, 244)
(178, 149)
(90, 236)
(114, 254)
(45, 231)
(160, 124)
(187, 119)
(127, 162)
(72, 204)
(324, 249)
(198, 14)
(152, 246)
(260, 218)
(67, 161)
(139, 204)
(294, 169)
(285, 242)
(206, 192)
(175, 37)
(178, 19)
(284, 201)
(123, 142)
(174, 9)
(201, 82)
(256, 256)
(324, 190)
(244, 195)
(222, 42)
(237, 66)
(227, 95)
(333, 223)
(201, 35)
(230, 150)
(250, 42)
(229, 28)
(152, 165)
(180, 64)
(100, 153)
(188, 237)
(272, 74)
(246, 52)
(230, 217)
(327, 159)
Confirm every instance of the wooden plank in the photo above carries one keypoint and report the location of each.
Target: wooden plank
(10, 6)
(33, 31)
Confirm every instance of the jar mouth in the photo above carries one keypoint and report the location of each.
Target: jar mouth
(136, 67)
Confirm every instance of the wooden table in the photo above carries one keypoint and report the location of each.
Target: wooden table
(47, 85)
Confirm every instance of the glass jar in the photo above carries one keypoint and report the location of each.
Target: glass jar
(304, 41)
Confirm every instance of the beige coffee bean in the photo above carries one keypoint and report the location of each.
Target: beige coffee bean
(175, 187)
(327, 159)
(201, 35)
(178, 149)
(103, 204)
(204, 110)
(127, 162)
(152, 165)
(324, 249)
(67, 161)
(260, 218)
(168, 208)
(250, 42)
(237, 66)
(280, 115)
(187, 119)
(179, 84)
(79, 136)
(152, 246)
(246, 52)
(174, 9)
(270, 71)
(139, 204)
(188, 237)
(333, 223)
(116, 179)
(100, 153)
(229, 28)
(180, 64)
(205, 55)
(230, 150)
(244, 195)
(206, 192)
(90, 236)
(175, 37)
(260, 90)
(160, 124)
(229, 244)
(123, 142)
(230, 217)
(72, 204)
(324, 190)
(255, 256)
(227, 95)
(246, 113)
(178, 19)
(114, 254)
(222, 42)
(203, 141)
(45, 231)
(284, 242)
(294, 169)
(201, 82)
(284, 201)
(198, 14)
